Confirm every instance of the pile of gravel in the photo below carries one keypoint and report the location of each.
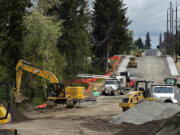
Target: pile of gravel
(146, 111)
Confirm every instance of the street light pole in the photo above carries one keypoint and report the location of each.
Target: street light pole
(176, 31)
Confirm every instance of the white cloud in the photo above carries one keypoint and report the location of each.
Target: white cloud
(148, 15)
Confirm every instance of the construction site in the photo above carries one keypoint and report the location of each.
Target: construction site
(103, 114)
(89, 67)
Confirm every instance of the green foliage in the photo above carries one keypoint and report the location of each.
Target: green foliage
(40, 41)
(37, 101)
(139, 43)
(74, 42)
(110, 33)
(148, 41)
(100, 80)
(40, 49)
(11, 34)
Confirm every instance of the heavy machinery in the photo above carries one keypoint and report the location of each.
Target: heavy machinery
(138, 52)
(5, 116)
(56, 90)
(111, 87)
(139, 95)
(132, 63)
(164, 93)
(170, 81)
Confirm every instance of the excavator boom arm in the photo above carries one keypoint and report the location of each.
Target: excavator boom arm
(26, 66)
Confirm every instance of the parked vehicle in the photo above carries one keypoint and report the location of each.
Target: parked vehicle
(164, 93)
(111, 87)
(170, 81)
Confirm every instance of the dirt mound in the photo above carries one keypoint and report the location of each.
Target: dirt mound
(16, 115)
(145, 112)
(170, 126)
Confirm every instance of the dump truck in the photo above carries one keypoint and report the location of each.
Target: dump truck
(57, 93)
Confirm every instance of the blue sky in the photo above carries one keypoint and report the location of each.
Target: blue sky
(148, 16)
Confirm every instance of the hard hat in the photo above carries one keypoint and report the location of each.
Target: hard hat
(94, 89)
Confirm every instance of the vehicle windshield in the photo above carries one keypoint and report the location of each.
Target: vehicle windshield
(125, 100)
(110, 82)
(163, 90)
(132, 59)
(170, 81)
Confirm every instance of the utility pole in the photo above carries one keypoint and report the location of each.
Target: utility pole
(167, 38)
(167, 23)
(170, 17)
(176, 30)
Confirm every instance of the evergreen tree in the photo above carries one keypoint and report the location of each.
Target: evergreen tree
(148, 41)
(11, 34)
(74, 42)
(160, 41)
(139, 43)
(110, 29)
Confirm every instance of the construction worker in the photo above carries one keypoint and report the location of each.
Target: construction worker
(94, 89)
(95, 92)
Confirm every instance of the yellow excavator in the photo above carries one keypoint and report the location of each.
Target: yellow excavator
(56, 90)
(5, 116)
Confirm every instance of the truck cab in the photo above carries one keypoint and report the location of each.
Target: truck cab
(111, 87)
(164, 93)
(170, 81)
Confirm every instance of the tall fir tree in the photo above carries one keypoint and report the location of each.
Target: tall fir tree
(160, 41)
(148, 41)
(110, 29)
(139, 43)
(11, 33)
(74, 42)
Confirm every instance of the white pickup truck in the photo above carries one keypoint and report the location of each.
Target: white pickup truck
(111, 87)
(164, 93)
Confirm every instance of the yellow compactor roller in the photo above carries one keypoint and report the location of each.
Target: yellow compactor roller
(135, 97)
(132, 63)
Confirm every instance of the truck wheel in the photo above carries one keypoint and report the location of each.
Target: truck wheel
(115, 93)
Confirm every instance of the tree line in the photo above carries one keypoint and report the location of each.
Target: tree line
(143, 45)
(63, 36)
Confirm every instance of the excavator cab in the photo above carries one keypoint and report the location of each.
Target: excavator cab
(56, 90)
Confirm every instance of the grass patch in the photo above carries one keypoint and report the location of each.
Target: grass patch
(100, 80)
(37, 101)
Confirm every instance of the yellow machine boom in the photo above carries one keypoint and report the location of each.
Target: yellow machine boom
(26, 66)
